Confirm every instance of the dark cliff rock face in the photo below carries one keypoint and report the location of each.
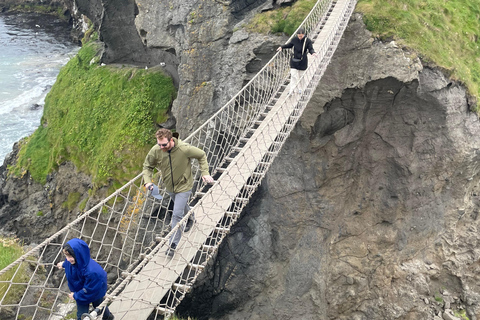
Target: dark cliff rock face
(32, 211)
(115, 21)
(371, 209)
(211, 47)
(199, 43)
(369, 212)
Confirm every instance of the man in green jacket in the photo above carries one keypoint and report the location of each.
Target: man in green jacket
(173, 158)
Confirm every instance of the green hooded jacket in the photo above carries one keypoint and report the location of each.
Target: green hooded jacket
(176, 161)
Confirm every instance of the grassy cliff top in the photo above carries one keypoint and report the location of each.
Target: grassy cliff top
(442, 33)
(100, 118)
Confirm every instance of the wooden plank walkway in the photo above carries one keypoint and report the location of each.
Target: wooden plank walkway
(144, 292)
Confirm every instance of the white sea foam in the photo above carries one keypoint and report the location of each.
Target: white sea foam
(29, 64)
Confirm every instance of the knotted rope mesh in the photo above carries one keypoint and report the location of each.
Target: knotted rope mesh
(128, 231)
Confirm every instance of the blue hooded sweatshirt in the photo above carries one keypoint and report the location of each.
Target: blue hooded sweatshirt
(86, 278)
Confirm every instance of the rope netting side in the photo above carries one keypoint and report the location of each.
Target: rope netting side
(287, 117)
(128, 230)
(116, 232)
(184, 280)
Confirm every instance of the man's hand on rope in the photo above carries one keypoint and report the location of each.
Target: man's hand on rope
(148, 186)
(60, 265)
(70, 295)
(279, 49)
(208, 179)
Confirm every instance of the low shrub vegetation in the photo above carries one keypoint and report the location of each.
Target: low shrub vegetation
(10, 250)
(462, 314)
(285, 19)
(72, 200)
(51, 9)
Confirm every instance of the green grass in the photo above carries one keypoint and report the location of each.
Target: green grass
(83, 204)
(101, 118)
(38, 8)
(175, 317)
(72, 200)
(282, 20)
(10, 250)
(445, 33)
(462, 314)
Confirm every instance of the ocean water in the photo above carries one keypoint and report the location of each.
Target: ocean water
(33, 48)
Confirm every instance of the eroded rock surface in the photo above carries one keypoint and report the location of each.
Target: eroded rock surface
(370, 211)
(32, 211)
(212, 48)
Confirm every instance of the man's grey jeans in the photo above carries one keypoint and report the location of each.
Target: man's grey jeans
(180, 209)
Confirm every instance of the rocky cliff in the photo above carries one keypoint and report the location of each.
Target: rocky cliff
(213, 50)
(369, 212)
(201, 44)
(143, 34)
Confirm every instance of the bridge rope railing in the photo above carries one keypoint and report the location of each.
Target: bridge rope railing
(127, 230)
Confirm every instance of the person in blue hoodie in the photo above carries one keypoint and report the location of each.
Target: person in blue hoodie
(86, 278)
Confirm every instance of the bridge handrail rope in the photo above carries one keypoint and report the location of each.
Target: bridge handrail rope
(128, 231)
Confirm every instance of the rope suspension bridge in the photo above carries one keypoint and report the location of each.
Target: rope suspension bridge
(128, 231)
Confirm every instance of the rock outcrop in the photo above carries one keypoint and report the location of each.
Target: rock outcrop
(32, 211)
(370, 211)
(201, 44)
(212, 48)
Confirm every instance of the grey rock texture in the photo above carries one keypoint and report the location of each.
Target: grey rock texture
(115, 21)
(33, 212)
(200, 44)
(371, 207)
(370, 210)
(212, 50)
